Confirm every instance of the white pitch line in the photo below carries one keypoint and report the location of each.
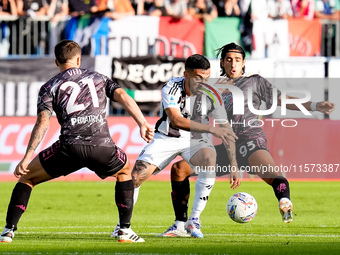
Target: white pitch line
(209, 234)
(279, 235)
(86, 253)
(61, 227)
(99, 226)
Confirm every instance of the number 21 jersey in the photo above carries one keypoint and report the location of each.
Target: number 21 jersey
(78, 97)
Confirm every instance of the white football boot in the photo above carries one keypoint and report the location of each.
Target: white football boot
(193, 226)
(115, 231)
(127, 235)
(7, 235)
(176, 230)
(286, 210)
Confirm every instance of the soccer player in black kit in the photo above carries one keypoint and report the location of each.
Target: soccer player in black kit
(78, 97)
(251, 146)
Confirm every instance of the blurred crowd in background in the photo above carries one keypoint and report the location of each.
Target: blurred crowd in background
(56, 10)
(53, 12)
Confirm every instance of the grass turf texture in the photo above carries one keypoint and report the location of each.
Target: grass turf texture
(78, 217)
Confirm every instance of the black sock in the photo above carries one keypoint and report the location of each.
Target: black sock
(281, 187)
(180, 196)
(124, 202)
(18, 204)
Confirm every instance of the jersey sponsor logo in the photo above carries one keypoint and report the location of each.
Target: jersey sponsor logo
(87, 119)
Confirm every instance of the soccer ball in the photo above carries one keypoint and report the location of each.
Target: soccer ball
(242, 207)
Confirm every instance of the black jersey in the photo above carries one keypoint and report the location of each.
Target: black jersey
(79, 97)
(245, 125)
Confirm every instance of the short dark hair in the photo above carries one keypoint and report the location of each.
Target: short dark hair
(231, 47)
(197, 61)
(65, 50)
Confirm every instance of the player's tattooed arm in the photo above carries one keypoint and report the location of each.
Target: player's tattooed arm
(231, 151)
(140, 172)
(39, 130)
(229, 143)
(235, 176)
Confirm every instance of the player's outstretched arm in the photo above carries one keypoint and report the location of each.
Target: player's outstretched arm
(325, 107)
(38, 132)
(322, 106)
(235, 176)
(146, 130)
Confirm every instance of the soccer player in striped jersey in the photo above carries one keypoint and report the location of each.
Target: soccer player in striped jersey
(183, 130)
(251, 146)
(78, 97)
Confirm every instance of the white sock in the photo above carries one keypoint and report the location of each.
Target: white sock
(135, 195)
(203, 186)
(180, 224)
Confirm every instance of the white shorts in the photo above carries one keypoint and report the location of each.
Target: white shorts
(163, 149)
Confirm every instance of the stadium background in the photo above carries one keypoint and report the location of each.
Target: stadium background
(142, 52)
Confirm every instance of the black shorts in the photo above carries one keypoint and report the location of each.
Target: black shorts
(63, 159)
(244, 148)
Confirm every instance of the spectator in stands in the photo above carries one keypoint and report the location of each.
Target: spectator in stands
(146, 6)
(327, 9)
(57, 10)
(202, 9)
(8, 7)
(32, 8)
(140, 6)
(244, 7)
(117, 9)
(158, 8)
(262, 28)
(228, 8)
(34, 13)
(259, 10)
(79, 7)
(303, 9)
(177, 9)
(280, 9)
(246, 25)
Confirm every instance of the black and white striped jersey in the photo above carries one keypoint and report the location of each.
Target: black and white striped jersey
(196, 108)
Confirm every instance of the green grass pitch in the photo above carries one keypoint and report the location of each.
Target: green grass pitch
(78, 217)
